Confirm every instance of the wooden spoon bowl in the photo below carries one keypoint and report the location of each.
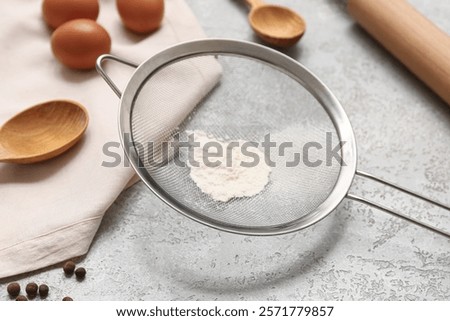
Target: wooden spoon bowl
(42, 132)
(276, 25)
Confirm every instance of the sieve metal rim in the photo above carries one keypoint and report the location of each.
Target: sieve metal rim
(277, 60)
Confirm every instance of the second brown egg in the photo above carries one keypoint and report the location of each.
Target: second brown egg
(141, 16)
(57, 12)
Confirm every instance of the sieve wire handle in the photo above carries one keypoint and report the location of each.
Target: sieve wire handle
(396, 213)
(102, 72)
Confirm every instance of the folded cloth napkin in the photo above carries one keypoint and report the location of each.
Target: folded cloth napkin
(50, 212)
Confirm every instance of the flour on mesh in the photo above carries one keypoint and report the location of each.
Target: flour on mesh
(230, 179)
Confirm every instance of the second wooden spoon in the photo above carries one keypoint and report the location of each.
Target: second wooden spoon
(278, 26)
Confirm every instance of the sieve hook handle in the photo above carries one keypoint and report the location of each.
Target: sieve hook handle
(102, 72)
(396, 213)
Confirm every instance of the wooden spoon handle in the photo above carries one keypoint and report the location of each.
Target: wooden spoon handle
(413, 39)
(255, 3)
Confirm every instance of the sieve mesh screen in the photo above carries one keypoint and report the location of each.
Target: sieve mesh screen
(235, 98)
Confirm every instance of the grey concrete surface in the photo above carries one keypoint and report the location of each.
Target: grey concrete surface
(146, 251)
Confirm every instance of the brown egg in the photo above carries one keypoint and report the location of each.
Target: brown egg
(78, 43)
(57, 12)
(141, 16)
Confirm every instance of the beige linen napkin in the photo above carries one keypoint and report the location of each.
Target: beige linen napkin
(50, 212)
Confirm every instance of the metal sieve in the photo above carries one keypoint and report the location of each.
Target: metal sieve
(242, 91)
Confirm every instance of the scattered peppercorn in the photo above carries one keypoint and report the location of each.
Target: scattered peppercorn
(43, 290)
(13, 289)
(67, 298)
(80, 273)
(69, 267)
(31, 289)
(21, 298)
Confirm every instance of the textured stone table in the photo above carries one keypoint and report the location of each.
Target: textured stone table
(144, 250)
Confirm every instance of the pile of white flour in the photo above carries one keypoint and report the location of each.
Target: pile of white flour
(224, 182)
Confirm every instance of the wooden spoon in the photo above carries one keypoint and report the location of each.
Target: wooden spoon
(42, 132)
(278, 26)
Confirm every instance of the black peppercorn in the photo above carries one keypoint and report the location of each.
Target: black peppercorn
(80, 273)
(69, 267)
(67, 298)
(31, 289)
(43, 290)
(21, 298)
(13, 289)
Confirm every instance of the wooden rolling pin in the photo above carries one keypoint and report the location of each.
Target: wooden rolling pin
(420, 45)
